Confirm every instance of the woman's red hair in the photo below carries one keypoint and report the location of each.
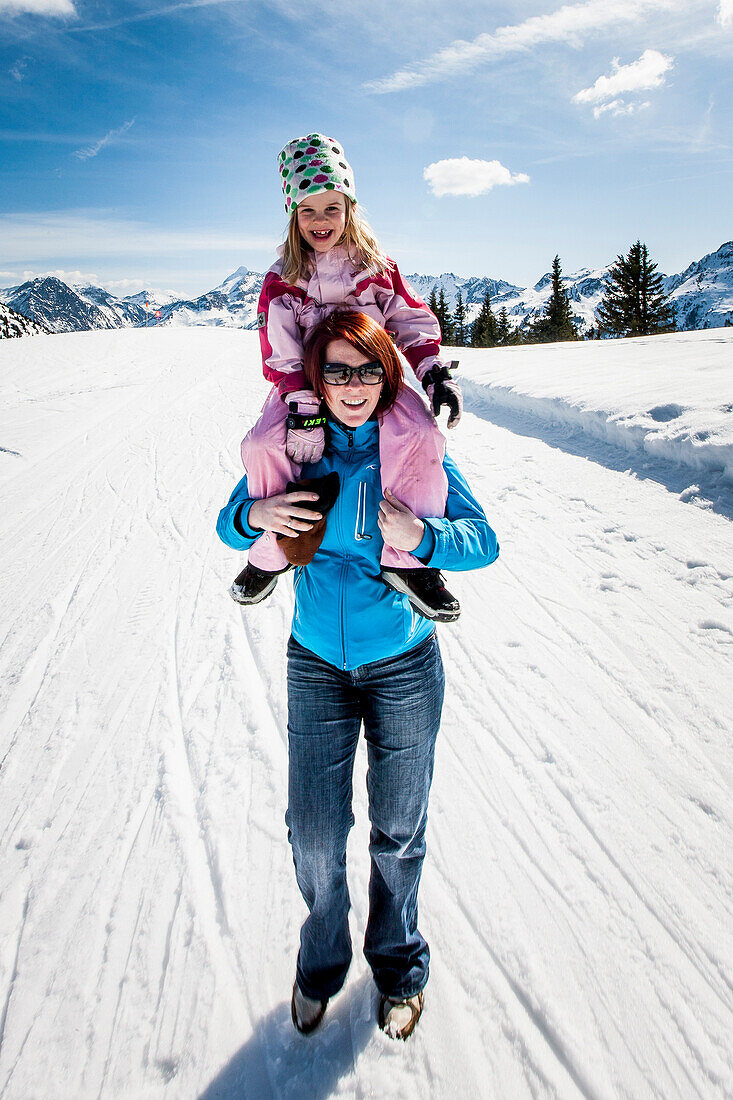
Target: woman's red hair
(366, 336)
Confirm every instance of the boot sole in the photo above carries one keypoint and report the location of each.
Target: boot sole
(395, 582)
(407, 1030)
(236, 595)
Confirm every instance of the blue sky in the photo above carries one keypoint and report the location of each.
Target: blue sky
(138, 140)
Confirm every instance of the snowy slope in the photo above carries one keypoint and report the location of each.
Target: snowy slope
(666, 396)
(578, 888)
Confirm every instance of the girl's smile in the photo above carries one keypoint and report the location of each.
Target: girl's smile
(322, 220)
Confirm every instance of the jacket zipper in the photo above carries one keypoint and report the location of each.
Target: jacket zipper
(345, 566)
(359, 533)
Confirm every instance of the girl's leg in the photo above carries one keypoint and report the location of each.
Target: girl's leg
(411, 452)
(403, 702)
(324, 717)
(268, 472)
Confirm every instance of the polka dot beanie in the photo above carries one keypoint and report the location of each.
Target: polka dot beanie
(311, 165)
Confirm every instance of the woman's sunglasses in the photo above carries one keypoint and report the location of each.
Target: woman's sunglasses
(339, 374)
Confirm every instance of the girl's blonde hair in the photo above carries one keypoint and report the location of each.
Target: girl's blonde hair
(358, 236)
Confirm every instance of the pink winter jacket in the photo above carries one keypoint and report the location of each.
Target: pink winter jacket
(286, 313)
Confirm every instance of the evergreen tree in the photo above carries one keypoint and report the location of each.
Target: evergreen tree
(634, 302)
(459, 323)
(445, 319)
(485, 330)
(433, 302)
(556, 323)
(503, 328)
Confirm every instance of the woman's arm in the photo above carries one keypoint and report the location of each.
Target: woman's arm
(463, 538)
(244, 518)
(460, 540)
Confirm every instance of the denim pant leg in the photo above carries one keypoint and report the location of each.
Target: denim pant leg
(324, 717)
(403, 699)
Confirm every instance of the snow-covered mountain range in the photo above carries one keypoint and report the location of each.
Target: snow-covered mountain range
(16, 324)
(702, 296)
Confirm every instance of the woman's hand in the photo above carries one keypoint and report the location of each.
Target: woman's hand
(282, 514)
(400, 527)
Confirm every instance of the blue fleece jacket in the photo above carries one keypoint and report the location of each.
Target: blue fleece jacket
(343, 612)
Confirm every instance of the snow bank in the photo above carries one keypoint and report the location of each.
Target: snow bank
(668, 396)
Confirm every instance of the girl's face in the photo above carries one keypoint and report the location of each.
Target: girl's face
(355, 402)
(322, 219)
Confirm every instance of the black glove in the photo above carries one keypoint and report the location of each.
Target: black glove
(442, 390)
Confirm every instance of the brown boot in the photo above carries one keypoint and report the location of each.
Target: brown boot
(301, 548)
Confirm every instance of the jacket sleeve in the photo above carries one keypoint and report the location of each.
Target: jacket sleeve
(281, 339)
(463, 539)
(413, 325)
(231, 526)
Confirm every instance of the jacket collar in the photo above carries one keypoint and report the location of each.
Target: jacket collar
(362, 438)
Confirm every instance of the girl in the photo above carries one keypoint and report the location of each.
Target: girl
(331, 259)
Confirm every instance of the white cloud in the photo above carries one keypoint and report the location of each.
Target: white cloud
(79, 234)
(463, 176)
(38, 7)
(619, 107)
(640, 75)
(19, 69)
(122, 288)
(91, 150)
(570, 24)
(725, 13)
(77, 278)
(80, 278)
(157, 12)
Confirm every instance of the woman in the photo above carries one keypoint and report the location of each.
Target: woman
(359, 654)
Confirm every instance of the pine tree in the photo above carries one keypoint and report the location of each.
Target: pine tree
(445, 319)
(634, 302)
(485, 330)
(459, 323)
(556, 323)
(433, 302)
(516, 336)
(503, 329)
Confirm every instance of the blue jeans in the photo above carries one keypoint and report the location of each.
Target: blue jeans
(399, 700)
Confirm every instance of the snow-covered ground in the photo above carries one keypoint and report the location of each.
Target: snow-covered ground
(578, 889)
(670, 397)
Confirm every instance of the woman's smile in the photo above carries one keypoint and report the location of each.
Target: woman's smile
(355, 402)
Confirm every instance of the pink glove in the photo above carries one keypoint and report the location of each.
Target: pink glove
(306, 437)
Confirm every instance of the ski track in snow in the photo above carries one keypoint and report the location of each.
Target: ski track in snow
(577, 891)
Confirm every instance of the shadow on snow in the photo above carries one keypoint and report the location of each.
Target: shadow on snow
(276, 1061)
